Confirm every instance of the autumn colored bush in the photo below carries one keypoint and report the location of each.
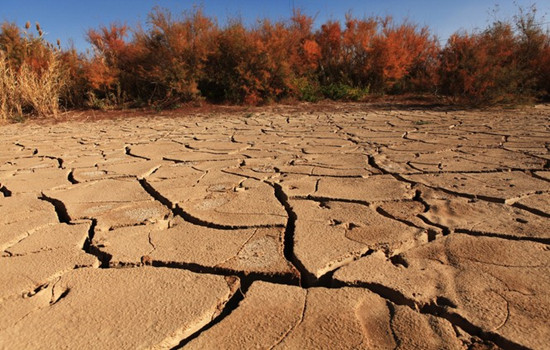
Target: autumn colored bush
(74, 92)
(271, 61)
(480, 67)
(544, 77)
(506, 62)
(171, 56)
(303, 56)
(533, 52)
(358, 51)
(377, 55)
(276, 43)
(403, 57)
(106, 71)
(236, 70)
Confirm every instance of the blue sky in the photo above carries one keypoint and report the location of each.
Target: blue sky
(69, 19)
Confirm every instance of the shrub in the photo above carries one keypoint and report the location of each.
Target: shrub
(304, 53)
(357, 51)
(232, 71)
(485, 67)
(105, 70)
(338, 91)
(76, 84)
(544, 77)
(378, 54)
(307, 89)
(248, 66)
(533, 52)
(331, 65)
(402, 57)
(172, 55)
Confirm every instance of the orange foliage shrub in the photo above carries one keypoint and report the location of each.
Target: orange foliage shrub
(305, 52)
(72, 64)
(400, 50)
(311, 55)
(304, 56)
(263, 63)
(237, 70)
(463, 64)
(329, 38)
(544, 77)
(378, 54)
(358, 40)
(104, 71)
(482, 67)
(507, 62)
(173, 54)
(533, 52)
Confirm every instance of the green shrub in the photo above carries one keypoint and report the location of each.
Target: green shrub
(307, 89)
(338, 91)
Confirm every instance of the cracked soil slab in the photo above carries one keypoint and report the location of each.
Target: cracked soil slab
(331, 234)
(498, 286)
(139, 308)
(287, 317)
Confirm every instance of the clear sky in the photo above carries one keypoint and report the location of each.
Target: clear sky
(69, 19)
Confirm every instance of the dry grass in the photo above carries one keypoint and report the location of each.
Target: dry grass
(28, 92)
(10, 98)
(41, 92)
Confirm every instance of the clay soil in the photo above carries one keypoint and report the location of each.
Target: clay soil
(355, 226)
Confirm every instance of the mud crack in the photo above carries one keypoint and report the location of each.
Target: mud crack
(438, 308)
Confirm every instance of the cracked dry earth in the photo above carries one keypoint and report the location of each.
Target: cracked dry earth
(355, 228)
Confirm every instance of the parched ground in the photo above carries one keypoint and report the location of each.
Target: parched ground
(354, 228)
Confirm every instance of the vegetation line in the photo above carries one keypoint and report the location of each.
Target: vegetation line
(190, 58)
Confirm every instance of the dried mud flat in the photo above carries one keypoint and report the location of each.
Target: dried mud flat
(345, 229)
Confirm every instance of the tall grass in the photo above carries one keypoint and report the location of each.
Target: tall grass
(32, 75)
(41, 92)
(28, 92)
(10, 96)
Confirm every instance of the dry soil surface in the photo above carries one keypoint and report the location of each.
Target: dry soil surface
(354, 228)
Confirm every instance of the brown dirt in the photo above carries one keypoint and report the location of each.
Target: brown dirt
(329, 226)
